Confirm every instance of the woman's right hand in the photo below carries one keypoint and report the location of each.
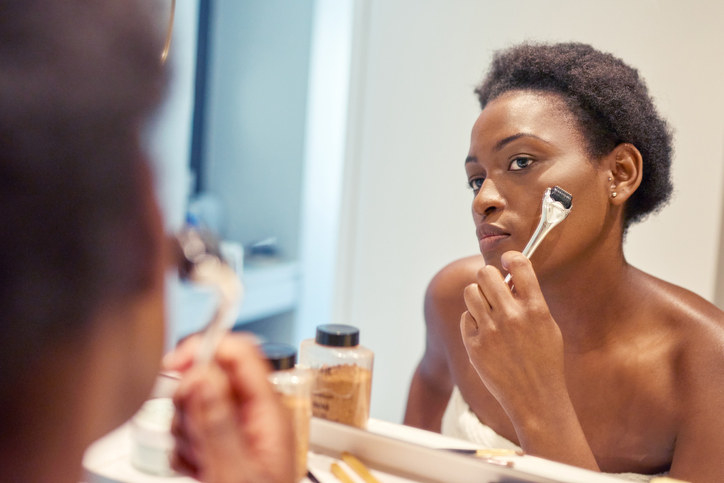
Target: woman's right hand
(516, 347)
(229, 425)
(511, 338)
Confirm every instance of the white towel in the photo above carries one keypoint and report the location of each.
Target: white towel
(459, 421)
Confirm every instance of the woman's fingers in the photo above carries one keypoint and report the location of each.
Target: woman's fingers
(181, 358)
(230, 425)
(240, 357)
(213, 442)
(468, 326)
(520, 268)
(181, 464)
(475, 301)
(265, 420)
(182, 458)
(488, 297)
(215, 426)
(494, 289)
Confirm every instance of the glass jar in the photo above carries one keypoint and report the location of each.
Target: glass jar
(342, 374)
(293, 385)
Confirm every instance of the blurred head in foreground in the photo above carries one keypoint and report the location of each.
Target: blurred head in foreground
(81, 249)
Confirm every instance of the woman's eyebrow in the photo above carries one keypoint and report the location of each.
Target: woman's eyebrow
(501, 144)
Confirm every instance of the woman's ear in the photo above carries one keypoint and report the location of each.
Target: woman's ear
(625, 172)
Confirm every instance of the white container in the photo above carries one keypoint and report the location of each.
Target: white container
(151, 435)
(150, 428)
(342, 372)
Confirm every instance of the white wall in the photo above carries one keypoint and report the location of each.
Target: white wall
(324, 156)
(406, 211)
(256, 114)
(170, 147)
(171, 133)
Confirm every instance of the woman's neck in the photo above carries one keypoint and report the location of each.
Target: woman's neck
(41, 463)
(588, 298)
(53, 427)
(50, 447)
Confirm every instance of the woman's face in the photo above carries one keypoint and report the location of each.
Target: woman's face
(522, 143)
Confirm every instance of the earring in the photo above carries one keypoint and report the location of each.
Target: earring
(613, 187)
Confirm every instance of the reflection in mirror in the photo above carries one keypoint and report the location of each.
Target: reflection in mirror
(254, 122)
(406, 213)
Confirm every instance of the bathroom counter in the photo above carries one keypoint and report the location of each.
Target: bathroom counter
(394, 453)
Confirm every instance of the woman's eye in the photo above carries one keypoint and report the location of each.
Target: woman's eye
(519, 163)
(476, 183)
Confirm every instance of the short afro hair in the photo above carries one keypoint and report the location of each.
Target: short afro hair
(609, 100)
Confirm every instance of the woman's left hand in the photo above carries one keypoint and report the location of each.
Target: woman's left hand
(230, 425)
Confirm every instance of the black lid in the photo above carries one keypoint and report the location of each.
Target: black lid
(280, 356)
(337, 335)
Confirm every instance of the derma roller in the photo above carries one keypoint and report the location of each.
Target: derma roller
(556, 205)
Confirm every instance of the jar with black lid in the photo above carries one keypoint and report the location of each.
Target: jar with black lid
(294, 386)
(342, 374)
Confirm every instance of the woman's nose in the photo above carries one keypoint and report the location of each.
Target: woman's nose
(488, 199)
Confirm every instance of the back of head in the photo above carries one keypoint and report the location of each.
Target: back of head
(77, 80)
(609, 100)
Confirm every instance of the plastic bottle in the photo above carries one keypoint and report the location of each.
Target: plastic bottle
(294, 386)
(342, 374)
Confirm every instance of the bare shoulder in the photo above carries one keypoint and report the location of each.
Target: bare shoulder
(444, 302)
(698, 327)
(686, 311)
(446, 287)
(435, 376)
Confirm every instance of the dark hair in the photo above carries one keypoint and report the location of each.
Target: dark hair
(77, 81)
(609, 100)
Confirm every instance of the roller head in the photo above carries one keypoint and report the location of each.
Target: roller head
(562, 196)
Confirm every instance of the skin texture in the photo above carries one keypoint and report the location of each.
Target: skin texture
(587, 360)
(230, 425)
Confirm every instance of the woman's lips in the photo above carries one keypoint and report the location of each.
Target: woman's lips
(490, 235)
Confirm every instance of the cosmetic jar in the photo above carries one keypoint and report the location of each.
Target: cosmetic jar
(150, 428)
(293, 385)
(152, 442)
(342, 374)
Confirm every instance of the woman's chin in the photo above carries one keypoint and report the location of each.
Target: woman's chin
(493, 260)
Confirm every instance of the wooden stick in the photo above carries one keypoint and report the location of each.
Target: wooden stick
(340, 474)
(359, 467)
(486, 453)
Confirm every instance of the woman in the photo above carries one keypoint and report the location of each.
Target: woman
(583, 358)
(83, 259)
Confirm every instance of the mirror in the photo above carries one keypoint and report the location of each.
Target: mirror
(399, 210)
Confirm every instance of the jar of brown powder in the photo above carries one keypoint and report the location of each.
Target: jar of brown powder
(294, 385)
(342, 374)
